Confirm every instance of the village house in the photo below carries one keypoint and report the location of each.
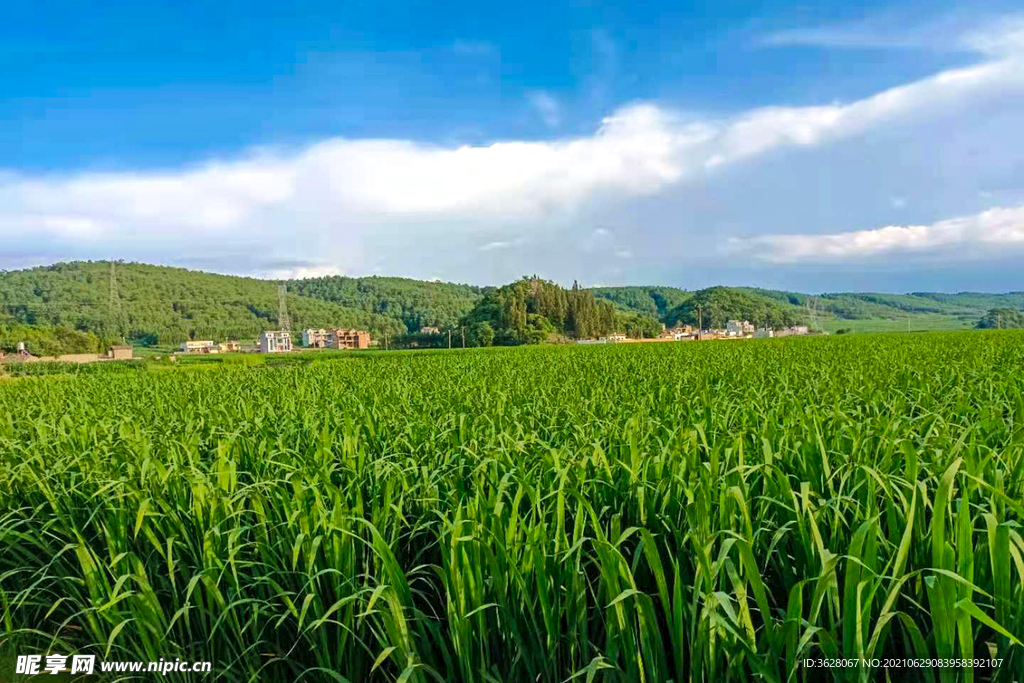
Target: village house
(195, 346)
(119, 353)
(679, 333)
(739, 328)
(229, 346)
(429, 330)
(793, 331)
(314, 339)
(348, 339)
(275, 341)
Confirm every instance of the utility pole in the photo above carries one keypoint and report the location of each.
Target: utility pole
(449, 339)
(385, 341)
(700, 322)
(463, 336)
(282, 308)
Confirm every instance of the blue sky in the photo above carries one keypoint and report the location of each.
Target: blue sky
(805, 146)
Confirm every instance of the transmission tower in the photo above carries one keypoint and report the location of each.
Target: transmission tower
(282, 308)
(812, 308)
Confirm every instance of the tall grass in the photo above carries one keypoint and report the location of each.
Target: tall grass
(702, 513)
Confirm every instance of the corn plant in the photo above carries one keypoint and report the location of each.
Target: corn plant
(695, 513)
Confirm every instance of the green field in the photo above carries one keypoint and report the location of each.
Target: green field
(918, 322)
(661, 512)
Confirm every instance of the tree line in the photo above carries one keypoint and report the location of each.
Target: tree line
(161, 306)
(51, 340)
(1001, 319)
(533, 310)
(715, 306)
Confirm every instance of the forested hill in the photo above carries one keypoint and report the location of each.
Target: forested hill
(656, 301)
(532, 310)
(414, 303)
(712, 307)
(865, 311)
(161, 305)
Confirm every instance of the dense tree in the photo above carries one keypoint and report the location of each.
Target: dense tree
(653, 301)
(160, 305)
(717, 305)
(157, 305)
(637, 326)
(957, 308)
(533, 310)
(481, 334)
(415, 304)
(419, 340)
(1002, 318)
(51, 340)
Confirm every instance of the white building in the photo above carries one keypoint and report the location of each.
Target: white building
(275, 342)
(739, 328)
(764, 334)
(198, 347)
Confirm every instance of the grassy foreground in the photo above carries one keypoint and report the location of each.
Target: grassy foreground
(687, 512)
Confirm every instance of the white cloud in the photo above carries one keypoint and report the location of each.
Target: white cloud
(851, 36)
(337, 183)
(764, 129)
(995, 229)
(501, 244)
(344, 201)
(599, 239)
(298, 272)
(999, 36)
(548, 107)
(959, 30)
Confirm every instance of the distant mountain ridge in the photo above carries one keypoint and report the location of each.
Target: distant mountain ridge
(860, 311)
(164, 305)
(415, 303)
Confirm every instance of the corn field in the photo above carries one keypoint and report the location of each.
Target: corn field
(695, 513)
